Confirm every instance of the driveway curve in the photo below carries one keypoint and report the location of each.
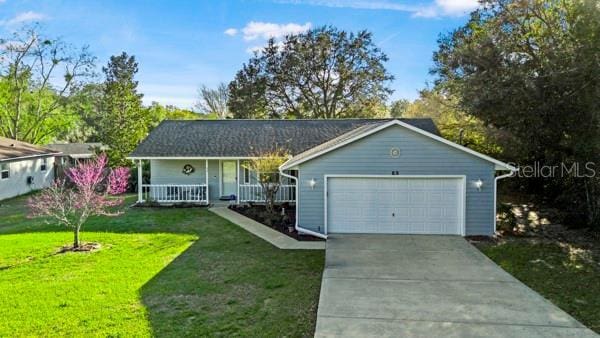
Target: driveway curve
(428, 286)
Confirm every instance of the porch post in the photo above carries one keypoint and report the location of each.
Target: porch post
(237, 180)
(206, 178)
(140, 188)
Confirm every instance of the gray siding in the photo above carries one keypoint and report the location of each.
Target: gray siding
(419, 155)
(170, 172)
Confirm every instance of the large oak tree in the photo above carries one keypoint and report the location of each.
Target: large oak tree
(532, 68)
(323, 73)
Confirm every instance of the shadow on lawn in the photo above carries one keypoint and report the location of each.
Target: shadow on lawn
(227, 282)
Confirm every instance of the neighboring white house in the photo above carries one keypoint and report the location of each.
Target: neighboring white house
(24, 167)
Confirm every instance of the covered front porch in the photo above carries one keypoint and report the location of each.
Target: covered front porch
(205, 181)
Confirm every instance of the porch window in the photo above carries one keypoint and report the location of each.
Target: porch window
(44, 165)
(246, 175)
(4, 171)
(287, 180)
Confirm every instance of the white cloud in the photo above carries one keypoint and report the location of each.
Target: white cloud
(231, 31)
(432, 9)
(266, 30)
(457, 7)
(23, 17)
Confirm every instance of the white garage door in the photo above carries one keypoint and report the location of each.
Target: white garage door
(396, 205)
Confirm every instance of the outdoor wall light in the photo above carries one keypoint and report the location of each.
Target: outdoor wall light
(478, 184)
(312, 183)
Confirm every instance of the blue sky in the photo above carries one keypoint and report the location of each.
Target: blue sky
(183, 44)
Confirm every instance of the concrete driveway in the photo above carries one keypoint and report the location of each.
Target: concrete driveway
(428, 286)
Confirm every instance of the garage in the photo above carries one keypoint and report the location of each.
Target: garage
(395, 204)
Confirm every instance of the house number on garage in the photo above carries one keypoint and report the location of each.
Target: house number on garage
(394, 152)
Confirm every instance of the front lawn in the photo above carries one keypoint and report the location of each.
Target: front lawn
(564, 273)
(163, 272)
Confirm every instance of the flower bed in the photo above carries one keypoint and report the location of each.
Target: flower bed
(283, 220)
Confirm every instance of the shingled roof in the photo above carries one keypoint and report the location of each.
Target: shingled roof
(248, 138)
(77, 150)
(11, 150)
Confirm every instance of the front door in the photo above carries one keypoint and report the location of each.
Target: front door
(228, 178)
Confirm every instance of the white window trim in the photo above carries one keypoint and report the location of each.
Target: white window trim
(44, 165)
(246, 175)
(221, 173)
(463, 199)
(4, 170)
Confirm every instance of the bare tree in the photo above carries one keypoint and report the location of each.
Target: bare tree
(214, 101)
(38, 75)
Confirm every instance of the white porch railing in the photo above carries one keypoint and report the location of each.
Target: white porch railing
(175, 193)
(254, 193)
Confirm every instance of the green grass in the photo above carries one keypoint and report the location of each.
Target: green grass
(162, 272)
(567, 276)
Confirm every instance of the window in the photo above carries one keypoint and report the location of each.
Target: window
(288, 181)
(4, 171)
(44, 165)
(246, 176)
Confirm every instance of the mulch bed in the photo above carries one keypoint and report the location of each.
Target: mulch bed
(282, 221)
(83, 247)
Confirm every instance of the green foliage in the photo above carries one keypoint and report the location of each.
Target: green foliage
(506, 218)
(398, 108)
(122, 122)
(32, 106)
(84, 104)
(530, 69)
(158, 113)
(247, 92)
(323, 73)
(453, 123)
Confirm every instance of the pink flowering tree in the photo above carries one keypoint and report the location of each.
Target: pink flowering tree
(86, 192)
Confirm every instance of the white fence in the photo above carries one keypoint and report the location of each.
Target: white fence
(175, 193)
(254, 193)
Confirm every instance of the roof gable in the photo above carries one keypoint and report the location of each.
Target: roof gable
(360, 133)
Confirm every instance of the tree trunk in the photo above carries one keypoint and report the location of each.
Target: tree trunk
(76, 237)
(269, 200)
